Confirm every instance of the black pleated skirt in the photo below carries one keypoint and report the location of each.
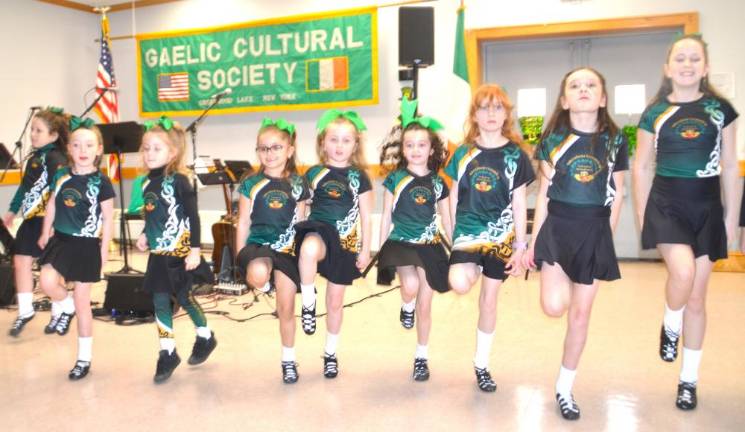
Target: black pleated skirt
(77, 259)
(340, 265)
(686, 211)
(580, 240)
(432, 258)
(283, 262)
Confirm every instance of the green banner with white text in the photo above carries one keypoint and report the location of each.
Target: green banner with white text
(303, 62)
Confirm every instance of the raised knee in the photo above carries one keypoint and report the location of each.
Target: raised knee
(311, 247)
(257, 276)
(458, 282)
(552, 308)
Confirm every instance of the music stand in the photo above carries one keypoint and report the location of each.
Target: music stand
(238, 169)
(118, 138)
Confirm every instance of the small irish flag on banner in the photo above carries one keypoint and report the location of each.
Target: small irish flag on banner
(327, 74)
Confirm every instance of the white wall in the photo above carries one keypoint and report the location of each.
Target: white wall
(49, 58)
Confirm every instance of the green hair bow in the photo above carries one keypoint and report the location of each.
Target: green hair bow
(280, 124)
(680, 35)
(77, 123)
(408, 116)
(55, 110)
(334, 114)
(164, 122)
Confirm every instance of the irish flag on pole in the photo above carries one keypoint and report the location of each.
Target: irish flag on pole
(327, 74)
(459, 86)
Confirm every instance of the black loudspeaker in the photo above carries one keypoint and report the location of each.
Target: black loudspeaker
(416, 36)
(124, 293)
(7, 285)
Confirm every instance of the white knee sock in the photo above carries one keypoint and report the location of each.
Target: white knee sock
(483, 349)
(68, 305)
(168, 344)
(331, 341)
(288, 354)
(204, 332)
(409, 307)
(25, 304)
(421, 351)
(565, 381)
(85, 348)
(691, 362)
(308, 294)
(673, 319)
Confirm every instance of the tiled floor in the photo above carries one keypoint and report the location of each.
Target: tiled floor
(621, 385)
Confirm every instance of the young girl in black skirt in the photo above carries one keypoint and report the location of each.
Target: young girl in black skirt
(335, 240)
(583, 157)
(271, 203)
(80, 210)
(689, 130)
(487, 201)
(172, 233)
(413, 194)
(49, 133)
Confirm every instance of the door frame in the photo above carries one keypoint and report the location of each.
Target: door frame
(475, 38)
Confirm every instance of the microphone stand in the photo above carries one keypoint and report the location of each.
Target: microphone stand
(18, 148)
(192, 129)
(100, 95)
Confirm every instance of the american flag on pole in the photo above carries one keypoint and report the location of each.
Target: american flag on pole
(107, 107)
(173, 86)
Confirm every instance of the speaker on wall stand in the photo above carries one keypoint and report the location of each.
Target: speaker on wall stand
(416, 43)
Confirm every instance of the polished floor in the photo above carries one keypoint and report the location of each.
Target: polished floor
(622, 385)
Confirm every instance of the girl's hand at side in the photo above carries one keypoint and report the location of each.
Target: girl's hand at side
(142, 242)
(192, 260)
(363, 259)
(528, 260)
(515, 265)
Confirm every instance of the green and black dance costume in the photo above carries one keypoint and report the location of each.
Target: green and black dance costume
(576, 233)
(484, 225)
(273, 218)
(684, 205)
(335, 216)
(75, 249)
(172, 229)
(415, 239)
(30, 199)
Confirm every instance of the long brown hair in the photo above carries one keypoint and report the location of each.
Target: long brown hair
(705, 87)
(175, 138)
(392, 155)
(291, 164)
(492, 93)
(560, 121)
(357, 159)
(59, 123)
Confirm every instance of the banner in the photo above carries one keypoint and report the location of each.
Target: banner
(303, 62)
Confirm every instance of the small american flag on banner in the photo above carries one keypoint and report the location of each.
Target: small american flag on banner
(173, 86)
